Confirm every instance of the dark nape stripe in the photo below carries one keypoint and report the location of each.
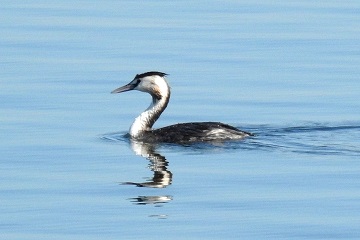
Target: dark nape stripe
(158, 113)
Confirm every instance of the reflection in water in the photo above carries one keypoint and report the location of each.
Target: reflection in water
(158, 164)
(157, 200)
(162, 177)
(159, 216)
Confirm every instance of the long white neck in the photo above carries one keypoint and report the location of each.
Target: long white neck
(146, 120)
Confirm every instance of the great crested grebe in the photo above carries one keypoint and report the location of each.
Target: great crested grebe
(156, 85)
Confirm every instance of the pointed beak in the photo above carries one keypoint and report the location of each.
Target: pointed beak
(125, 88)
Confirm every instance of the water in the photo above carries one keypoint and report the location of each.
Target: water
(286, 71)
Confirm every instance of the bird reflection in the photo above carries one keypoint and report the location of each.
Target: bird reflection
(158, 164)
(156, 200)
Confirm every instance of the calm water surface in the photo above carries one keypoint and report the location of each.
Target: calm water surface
(286, 71)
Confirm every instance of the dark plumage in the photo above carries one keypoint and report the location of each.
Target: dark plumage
(195, 132)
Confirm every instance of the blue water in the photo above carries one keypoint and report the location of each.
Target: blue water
(286, 71)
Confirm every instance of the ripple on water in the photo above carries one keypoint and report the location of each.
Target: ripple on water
(315, 138)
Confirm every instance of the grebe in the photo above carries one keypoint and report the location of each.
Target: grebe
(156, 85)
